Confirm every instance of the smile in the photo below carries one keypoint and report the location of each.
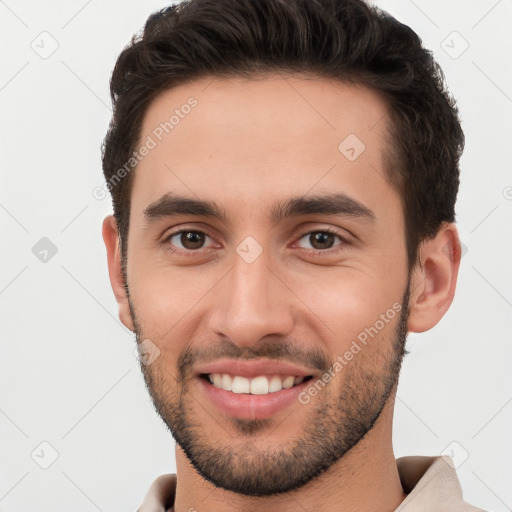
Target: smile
(260, 385)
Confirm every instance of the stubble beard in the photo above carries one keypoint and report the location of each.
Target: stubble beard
(333, 430)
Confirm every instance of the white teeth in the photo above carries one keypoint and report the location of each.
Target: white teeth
(227, 382)
(240, 385)
(288, 382)
(260, 385)
(275, 384)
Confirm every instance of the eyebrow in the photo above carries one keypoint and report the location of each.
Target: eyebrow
(170, 205)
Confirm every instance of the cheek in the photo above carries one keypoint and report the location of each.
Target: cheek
(163, 296)
(350, 304)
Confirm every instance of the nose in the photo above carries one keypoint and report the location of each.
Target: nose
(252, 302)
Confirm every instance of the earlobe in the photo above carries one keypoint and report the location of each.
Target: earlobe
(111, 238)
(434, 280)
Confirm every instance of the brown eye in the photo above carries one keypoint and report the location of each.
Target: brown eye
(187, 240)
(322, 240)
(192, 239)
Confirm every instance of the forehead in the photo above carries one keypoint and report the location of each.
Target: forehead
(243, 140)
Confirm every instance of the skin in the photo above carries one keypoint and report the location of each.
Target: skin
(246, 145)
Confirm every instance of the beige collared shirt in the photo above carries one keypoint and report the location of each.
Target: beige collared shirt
(431, 485)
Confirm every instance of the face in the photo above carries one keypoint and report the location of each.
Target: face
(266, 268)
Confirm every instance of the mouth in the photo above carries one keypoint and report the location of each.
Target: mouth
(259, 385)
(256, 398)
(252, 389)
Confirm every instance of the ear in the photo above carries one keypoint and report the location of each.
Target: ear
(434, 279)
(111, 239)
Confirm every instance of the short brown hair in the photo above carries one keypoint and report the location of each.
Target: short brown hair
(343, 39)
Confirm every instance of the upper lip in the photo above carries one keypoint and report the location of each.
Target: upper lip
(253, 368)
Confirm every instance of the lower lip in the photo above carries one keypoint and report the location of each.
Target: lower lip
(251, 407)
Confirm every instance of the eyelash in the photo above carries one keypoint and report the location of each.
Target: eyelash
(191, 252)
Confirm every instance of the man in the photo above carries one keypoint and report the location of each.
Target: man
(283, 175)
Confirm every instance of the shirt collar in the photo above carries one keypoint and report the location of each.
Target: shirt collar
(430, 483)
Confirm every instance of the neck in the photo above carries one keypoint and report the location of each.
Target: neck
(364, 479)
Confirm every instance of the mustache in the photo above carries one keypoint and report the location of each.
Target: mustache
(277, 350)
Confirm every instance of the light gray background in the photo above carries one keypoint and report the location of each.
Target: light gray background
(68, 376)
